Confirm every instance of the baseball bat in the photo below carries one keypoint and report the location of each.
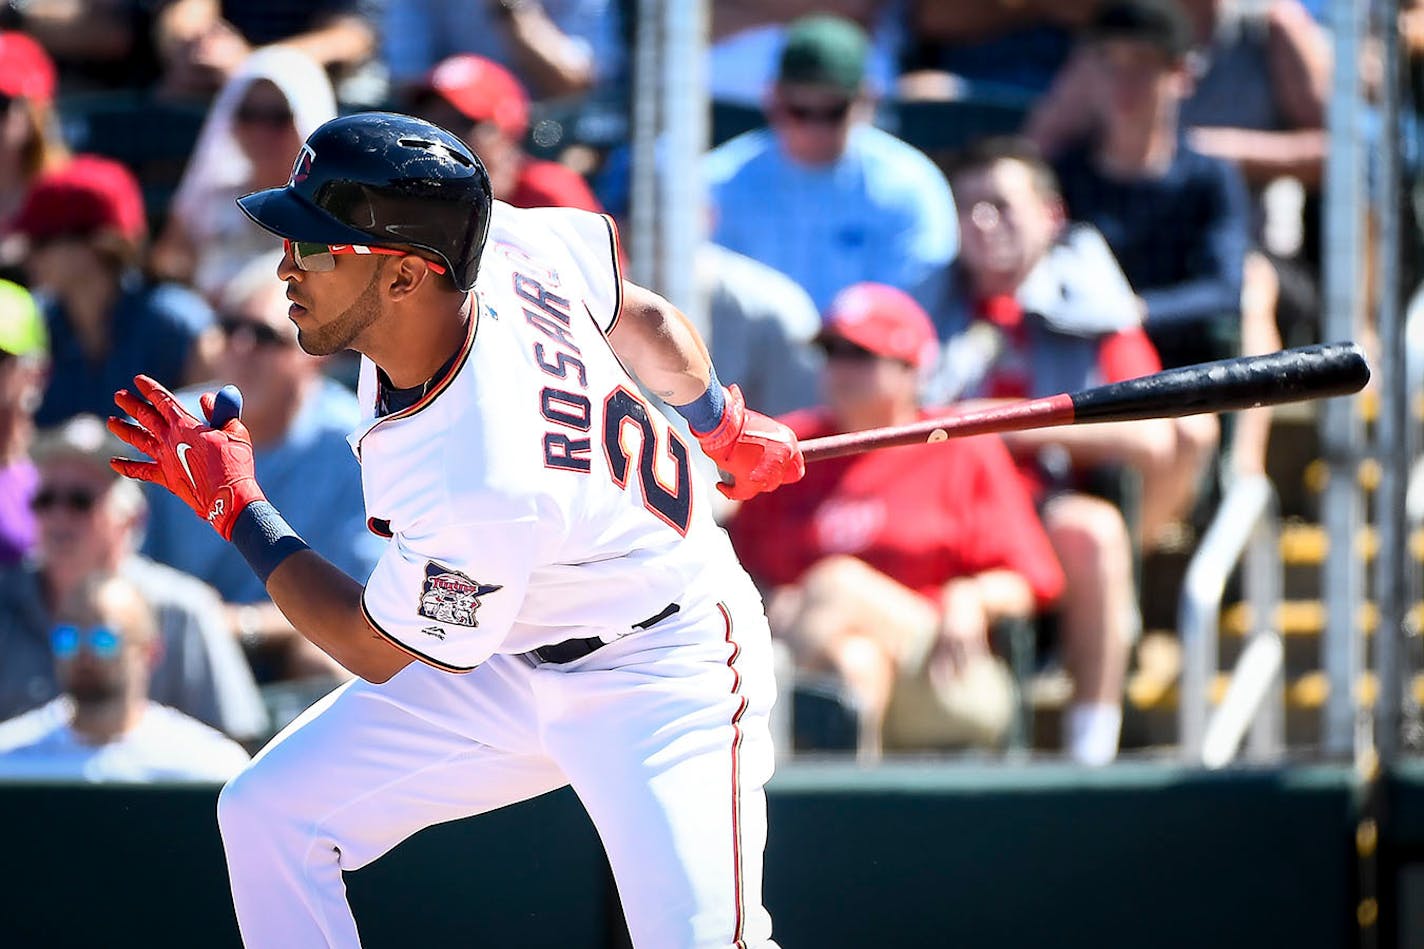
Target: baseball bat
(227, 405)
(1290, 375)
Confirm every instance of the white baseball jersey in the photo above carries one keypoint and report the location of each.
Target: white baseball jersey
(534, 494)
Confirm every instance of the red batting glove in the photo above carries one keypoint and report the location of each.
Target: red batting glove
(210, 469)
(758, 452)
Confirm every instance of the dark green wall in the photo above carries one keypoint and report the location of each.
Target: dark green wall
(902, 856)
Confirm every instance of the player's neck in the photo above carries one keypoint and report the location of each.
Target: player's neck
(421, 344)
(1134, 152)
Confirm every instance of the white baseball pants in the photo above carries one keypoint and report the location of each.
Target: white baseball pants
(663, 735)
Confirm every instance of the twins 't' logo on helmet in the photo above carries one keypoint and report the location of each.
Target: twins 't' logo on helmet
(302, 166)
(449, 596)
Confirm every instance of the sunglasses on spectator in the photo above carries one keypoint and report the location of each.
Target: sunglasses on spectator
(321, 258)
(256, 115)
(845, 349)
(262, 334)
(817, 115)
(78, 500)
(66, 639)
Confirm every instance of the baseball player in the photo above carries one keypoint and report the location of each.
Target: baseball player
(555, 605)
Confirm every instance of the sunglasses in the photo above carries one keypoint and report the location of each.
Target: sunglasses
(817, 115)
(845, 349)
(262, 334)
(78, 500)
(321, 258)
(103, 642)
(255, 115)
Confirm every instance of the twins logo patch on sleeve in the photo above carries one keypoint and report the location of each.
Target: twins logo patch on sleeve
(449, 596)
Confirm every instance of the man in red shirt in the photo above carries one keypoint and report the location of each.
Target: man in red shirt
(886, 569)
(481, 101)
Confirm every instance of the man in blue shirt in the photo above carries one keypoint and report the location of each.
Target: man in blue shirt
(821, 195)
(299, 421)
(1177, 221)
(84, 229)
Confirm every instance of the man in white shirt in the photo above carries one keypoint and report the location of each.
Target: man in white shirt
(104, 727)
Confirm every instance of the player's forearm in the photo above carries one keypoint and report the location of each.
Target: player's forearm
(661, 347)
(324, 605)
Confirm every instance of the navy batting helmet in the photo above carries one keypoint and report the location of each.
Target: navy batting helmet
(381, 178)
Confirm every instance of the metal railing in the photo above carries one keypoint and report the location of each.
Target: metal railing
(1246, 523)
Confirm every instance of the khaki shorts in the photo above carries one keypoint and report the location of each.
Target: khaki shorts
(932, 707)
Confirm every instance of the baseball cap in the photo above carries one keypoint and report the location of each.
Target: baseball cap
(824, 50)
(882, 319)
(88, 195)
(82, 438)
(482, 91)
(1159, 23)
(26, 71)
(22, 328)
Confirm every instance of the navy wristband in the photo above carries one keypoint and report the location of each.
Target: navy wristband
(704, 413)
(264, 538)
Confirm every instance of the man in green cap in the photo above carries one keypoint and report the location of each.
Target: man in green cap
(24, 363)
(822, 195)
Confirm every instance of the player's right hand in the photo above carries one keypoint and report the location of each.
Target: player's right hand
(760, 453)
(210, 469)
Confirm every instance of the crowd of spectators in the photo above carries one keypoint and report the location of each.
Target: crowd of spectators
(1157, 207)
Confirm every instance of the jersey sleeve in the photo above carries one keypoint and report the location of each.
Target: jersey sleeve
(592, 241)
(449, 597)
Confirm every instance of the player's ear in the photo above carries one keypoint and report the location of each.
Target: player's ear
(407, 276)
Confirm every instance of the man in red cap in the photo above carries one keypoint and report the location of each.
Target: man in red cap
(481, 101)
(886, 569)
(84, 230)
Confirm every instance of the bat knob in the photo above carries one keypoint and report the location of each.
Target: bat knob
(227, 405)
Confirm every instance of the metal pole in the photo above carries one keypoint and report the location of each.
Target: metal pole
(1391, 583)
(682, 204)
(1344, 729)
(643, 196)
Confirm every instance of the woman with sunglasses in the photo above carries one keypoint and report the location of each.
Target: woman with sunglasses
(104, 726)
(275, 99)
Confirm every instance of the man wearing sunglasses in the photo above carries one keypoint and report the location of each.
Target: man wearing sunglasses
(823, 196)
(104, 726)
(298, 419)
(556, 605)
(90, 521)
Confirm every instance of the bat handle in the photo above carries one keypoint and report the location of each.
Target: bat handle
(227, 405)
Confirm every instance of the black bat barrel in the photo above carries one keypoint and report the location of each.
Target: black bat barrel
(1291, 375)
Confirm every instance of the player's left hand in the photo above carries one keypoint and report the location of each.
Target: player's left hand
(760, 453)
(210, 469)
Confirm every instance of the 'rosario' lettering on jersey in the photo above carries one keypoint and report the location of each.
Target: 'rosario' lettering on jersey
(449, 596)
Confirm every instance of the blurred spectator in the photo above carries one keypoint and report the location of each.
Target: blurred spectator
(1261, 73)
(299, 421)
(91, 521)
(762, 324)
(252, 134)
(748, 36)
(24, 360)
(555, 47)
(822, 196)
(98, 45)
(1041, 309)
(481, 101)
(1012, 47)
(105, 727)
(886, 569)
(1177, 220)
(30, 144)
(205, 42)
(84, 229)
